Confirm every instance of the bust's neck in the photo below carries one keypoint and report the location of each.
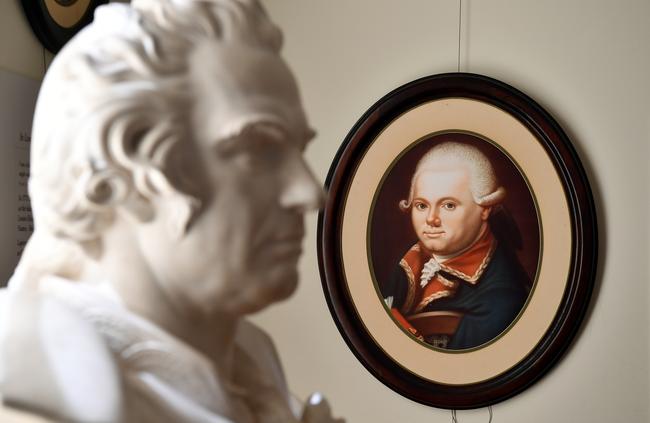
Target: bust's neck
(136, 285)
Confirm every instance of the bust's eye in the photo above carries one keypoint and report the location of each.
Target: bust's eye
(420, 206)
(259, 153)
(449, 206)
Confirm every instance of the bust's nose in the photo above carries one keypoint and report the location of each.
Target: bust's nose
(302, 192)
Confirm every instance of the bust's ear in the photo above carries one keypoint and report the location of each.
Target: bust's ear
(176, 208)
(137, 208)
(181, 208)
(485, 213)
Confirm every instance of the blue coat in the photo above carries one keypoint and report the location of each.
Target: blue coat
(488, 307)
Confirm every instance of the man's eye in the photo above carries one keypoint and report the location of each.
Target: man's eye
(420, 206)
(449, 206)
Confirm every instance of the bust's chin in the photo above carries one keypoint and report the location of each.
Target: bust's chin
(266, 291)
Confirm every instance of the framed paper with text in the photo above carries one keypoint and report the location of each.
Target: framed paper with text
(458, 245)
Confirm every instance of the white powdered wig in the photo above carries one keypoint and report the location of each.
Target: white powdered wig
(454, 155)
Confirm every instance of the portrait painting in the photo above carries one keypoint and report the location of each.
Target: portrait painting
(458, 243)
(454, 241)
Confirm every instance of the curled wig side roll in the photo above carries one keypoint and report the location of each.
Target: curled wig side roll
(492, 198)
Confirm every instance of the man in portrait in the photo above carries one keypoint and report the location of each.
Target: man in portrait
(459, 286)
(169, 186)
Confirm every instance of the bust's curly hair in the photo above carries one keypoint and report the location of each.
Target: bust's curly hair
(114, 107)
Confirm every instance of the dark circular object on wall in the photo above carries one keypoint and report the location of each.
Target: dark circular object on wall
(360, 223)
(56, 21)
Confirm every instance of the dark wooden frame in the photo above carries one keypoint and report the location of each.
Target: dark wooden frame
(49, 33)
(583, 225)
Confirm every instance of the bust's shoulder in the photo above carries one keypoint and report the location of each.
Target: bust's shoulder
(72, 374)
(13, 415)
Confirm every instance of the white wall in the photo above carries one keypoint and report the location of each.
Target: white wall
(586, 62)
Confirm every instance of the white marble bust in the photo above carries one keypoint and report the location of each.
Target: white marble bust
(168, 186)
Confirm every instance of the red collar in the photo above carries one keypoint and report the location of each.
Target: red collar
(468, 266)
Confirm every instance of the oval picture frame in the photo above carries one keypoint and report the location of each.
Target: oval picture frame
(55, 22)
(474, 109)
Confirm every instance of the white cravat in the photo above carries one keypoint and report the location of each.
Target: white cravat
(430, 269)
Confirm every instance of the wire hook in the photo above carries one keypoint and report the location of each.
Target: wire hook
(460, 21)
(454, 417)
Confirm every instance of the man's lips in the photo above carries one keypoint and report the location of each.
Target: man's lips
(433, 234)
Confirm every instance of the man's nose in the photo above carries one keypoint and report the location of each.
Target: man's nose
(302, 191)
(432, 218)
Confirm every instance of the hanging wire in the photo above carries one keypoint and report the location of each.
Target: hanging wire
(454, 417)
(460, 11)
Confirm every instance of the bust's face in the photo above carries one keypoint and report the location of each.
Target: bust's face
(241, 251)
(444, 215)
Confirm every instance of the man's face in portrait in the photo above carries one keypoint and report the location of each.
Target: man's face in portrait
(241, 251)
(444, 215)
